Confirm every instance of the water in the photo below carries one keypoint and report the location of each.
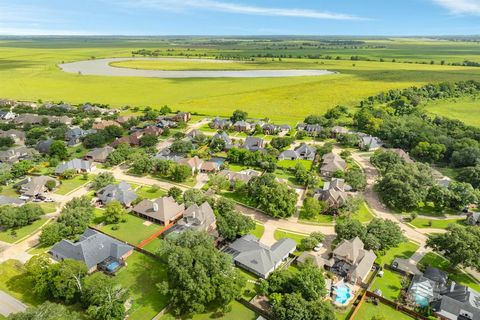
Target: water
(343, 294)
(421, 301)
(113, 266)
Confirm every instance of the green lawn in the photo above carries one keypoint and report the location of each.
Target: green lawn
(363, 214)
(39, 249)
(297, 237)
(318, 219)
(239, 197)
(343, 314)
(22, 232)
(258, 231)
(404, 250)
(390, 284)
(49, 207)
(465, 109)
(132, 231)
(154, 245)
(140, 277)
(14, 282)
(150, 193)
(9, 191)
(292, 163)
(68, 185)
(368, 311)
(437, 261)
(435, 223)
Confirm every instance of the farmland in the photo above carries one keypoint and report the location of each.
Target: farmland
(28, 71)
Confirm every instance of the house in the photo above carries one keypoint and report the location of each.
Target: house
(210, 167)
(15, 154)
(459, 302)
(242, 126)
(243, 176)
(4, 200)
(162, 210)
(310, 129)
(167, 155)
(222, 135)
(194, 133)
(74, 135)
(124, 119)
(303, 151)
(93, 248)
(269, 128)
(133, 139)
(152, 130)
(337, 131)
(368, 142)
(352, 261)
(284, 128)
(405, 266)
(318, 260)
(77, 165)
(220, 124)
(37, 119)
(194, 163)
(473, 218)
(182, 117)
(121, 192)
(428, 286)
(402, 154)
(249, 254)
(332, 163)
(17, 135)
(44, 146)
(105, 123)
(36, 186)
(7, 115)
(288, 155)
(253, 144)
(7, 103)
(99, 154)
(333, 193)
(199, 218)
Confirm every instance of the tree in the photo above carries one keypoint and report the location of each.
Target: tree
(348, 228)
(148, 140)
(460, 245)
(281, 142)
(356, 179)
(218, 182)
(6, 142)
(199, 274)
(114, 212)
(102, 180)
(386, 232)
(231, 223)
(310, 242)
(112, 132)
(274, 198)
(104, 297)
(68, 174)
(217, 145)
(312, 207)
(238, 115)
(384, 160)
(351, 205)
(46, 311)
(21, 168)
(94, 140)
(194, 196)
(429, 152)
(461, 194)
(176, 193)
(181, 146)
(470, 175)
(50, 185)
(67, 279)
(165, 110)
(181, 173)
(466, 157)
(439, 196)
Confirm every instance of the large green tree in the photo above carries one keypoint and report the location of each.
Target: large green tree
(46, 311)
(104, 297)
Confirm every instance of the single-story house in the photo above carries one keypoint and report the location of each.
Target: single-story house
(402, 154)
(210, 167)
(310, 129)
(93, 248)
(162, 210)
(338, 130)
(167, 155)
(332, 163)
(78, 165)
(99, 154)
(7, 115)
(248, 253)
(224, 137)
(15, 154)
(35, 186)
(406, 266)
(121, 192)
(270, 129)
(74, 135)
(244, 175)
(368, 142)
(242, 126)
(182, 117)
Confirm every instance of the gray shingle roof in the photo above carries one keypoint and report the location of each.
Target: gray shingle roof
(4, 200)
(92, 248)
(75, 164)
(121, 192)
(198, 217)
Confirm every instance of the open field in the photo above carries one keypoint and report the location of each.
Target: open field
(28, 71)
(464, 109)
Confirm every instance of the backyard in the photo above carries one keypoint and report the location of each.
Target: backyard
(369, 311)
(150, 192)
(390, 284)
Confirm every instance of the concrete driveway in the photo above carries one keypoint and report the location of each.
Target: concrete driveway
(9, 304)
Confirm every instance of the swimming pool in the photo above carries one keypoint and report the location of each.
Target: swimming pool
(421, 301)
(343, 294)
(113, 266)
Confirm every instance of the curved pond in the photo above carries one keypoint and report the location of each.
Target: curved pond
(102, 67)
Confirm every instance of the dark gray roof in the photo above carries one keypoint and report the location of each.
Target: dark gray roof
(44, 146)
(121, 192)
(253, 143)
(92, 248)
(4, 200)
(75, 164)
(437, 275)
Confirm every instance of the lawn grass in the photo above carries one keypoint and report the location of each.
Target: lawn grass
(292, 163)
(439, 262)
(140, 277)
(363, 214)
(297, 237)
(466, 109)
(14, 282)
(317, 219)
(48, 207)
(150, 193)
(405, 250)
(21, 232)
(420, 222)
(154, 245)
(258, 231)
(38, 249)
(239, 197)
(239, 311)
(9, 191)
(68, 185)
(132, 231)
(390, 284)
(368, 311)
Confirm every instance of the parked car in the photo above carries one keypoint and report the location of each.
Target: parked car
(23, 198)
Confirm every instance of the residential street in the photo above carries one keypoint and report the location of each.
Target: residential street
(9, 304)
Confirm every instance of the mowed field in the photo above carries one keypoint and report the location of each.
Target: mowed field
(28, 71)
(464, 109)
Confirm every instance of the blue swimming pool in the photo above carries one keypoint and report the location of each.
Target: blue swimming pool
(342, 294)
(421, 301)
(113, 266)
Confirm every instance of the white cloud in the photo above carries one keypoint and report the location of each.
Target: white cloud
(461, 6)
(213, 5)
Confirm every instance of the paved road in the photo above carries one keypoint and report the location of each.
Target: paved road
(102, 67)
(9, 305)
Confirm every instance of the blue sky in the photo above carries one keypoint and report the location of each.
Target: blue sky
(240, 17)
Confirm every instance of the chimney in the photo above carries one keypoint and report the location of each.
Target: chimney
(155, 206)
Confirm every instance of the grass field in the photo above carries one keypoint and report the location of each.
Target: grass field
(297, 237)
(404, 250)
(28, 71)
(22, 232)
(14, 282)
(68, 185)
(369, 311)
(464, 109)
(150, 193)
(390, 284)
(258, 231)
(435, 223)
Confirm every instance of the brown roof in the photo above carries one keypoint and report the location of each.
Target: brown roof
(194, 163)
(210, 166)
(153, 130)
(162, 209)
(123, 119)
(105, 123)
